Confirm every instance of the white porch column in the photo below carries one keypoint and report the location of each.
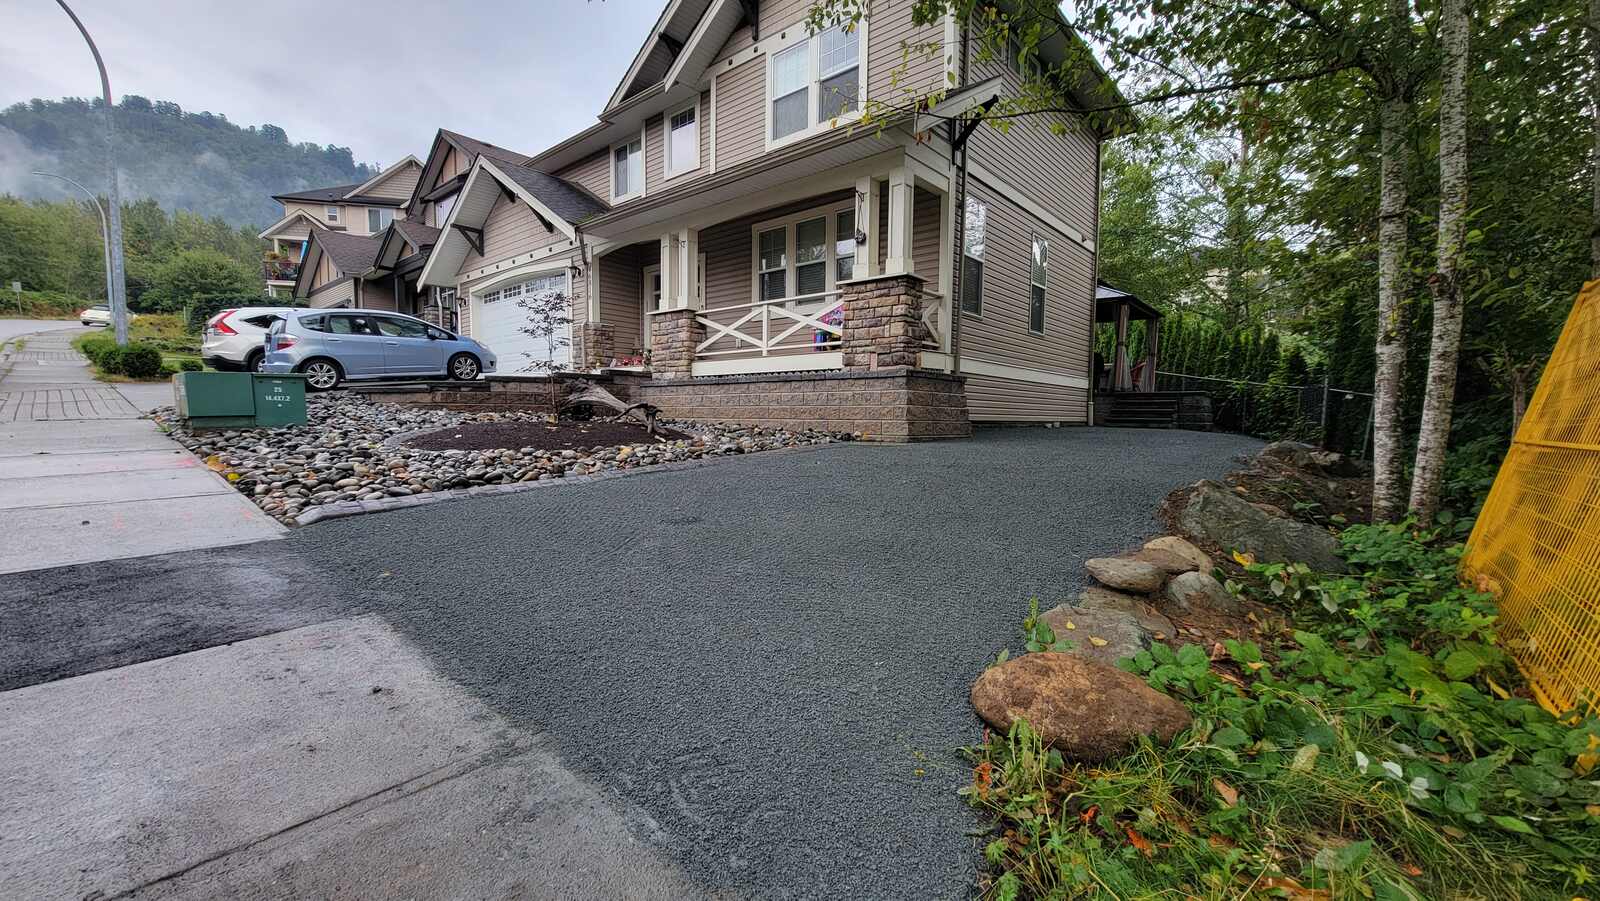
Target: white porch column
(901, 194)
(669, 272)
(686, 274)
(868, 198)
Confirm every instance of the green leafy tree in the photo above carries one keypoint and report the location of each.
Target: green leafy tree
(190, 276)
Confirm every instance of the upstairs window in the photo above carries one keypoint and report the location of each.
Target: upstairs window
(973, 240)
(379, 219)
(683, 142)
(333, 214)
(814, 81)
(627, 170)
(1041, 269)
(838, 73)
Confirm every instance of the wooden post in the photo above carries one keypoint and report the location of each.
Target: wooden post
(901, 195)
(868, 195)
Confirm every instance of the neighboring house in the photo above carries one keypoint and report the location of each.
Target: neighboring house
(366, 208)
(725, 224)
(374, 272)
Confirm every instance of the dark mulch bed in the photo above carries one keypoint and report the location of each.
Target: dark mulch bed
(564, 435)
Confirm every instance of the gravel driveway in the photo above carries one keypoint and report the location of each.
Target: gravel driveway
(770, 657)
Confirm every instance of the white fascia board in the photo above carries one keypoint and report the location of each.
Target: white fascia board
(449, 237)
(297, 214)
(710, 33)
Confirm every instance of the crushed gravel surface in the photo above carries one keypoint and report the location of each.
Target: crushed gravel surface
(771, 656)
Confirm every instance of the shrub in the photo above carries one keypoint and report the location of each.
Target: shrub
(140, 361)
(96, 346)
(189, 366)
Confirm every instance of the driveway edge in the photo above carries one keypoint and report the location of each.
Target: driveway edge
(343, 509)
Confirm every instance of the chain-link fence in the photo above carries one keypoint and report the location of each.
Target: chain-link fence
(1334, 418)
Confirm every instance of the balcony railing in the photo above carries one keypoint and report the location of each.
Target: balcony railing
(280, 270)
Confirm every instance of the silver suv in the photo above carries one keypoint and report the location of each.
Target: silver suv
(232, 339)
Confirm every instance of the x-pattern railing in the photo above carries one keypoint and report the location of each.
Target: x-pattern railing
(754, 329)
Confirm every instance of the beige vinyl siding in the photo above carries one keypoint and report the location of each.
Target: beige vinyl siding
(317, 211)
(332, 295)
(995, 399)
(1056, 171)
(454, 163)
(592, 173)
(397, 186)
(296, 230)
(741, 114)
(899, 66)
(655, 154)
(1001, 334)
(511, 230)
(379, 296)
(621, 289)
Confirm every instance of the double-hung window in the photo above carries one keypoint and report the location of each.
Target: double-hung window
(974, 237)
(378, 219)
(683, 142)
(814, 81)
(627, 170)
(772, 264)
(844, 245)
(1036, 283)
(333, 214)
(838, 72)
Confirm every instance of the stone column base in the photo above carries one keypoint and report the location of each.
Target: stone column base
(595, 346)
(674, 335)
(882, 322)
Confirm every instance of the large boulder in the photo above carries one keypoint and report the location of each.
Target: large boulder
(1217, 515)
(1167, 561)
(1106, 626)
(1126, 574)
(1199, 591)
(1172, 544)
(1085, 709)
(1292, 454)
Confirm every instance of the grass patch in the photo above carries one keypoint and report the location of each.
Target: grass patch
(1380, 750)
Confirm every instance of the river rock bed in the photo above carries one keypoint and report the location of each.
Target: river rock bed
(354, 449)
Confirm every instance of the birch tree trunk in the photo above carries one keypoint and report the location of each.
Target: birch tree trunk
(1444, 353)
(1394, 116)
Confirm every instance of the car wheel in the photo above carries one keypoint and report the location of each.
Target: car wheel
(464, 367)
(254, 361)
(322, 375)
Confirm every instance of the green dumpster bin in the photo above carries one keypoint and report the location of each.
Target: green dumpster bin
(215, 400)
(280, 400)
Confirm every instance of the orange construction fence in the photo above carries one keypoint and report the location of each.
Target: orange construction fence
(1536, 545)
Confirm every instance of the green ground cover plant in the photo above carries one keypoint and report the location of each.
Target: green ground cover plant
(1381, 749)
(138, 360)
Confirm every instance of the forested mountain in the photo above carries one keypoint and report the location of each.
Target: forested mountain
(198, 162)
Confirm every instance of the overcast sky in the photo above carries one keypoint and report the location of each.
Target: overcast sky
(377, 77)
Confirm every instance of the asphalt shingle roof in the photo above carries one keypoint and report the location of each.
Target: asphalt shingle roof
(564, 198)
(418, 234)
(484, 148)
(353, 254)
(334, 193)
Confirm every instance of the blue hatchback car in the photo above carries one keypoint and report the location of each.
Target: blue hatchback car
(333, 346)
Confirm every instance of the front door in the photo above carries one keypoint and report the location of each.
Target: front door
(354, 341)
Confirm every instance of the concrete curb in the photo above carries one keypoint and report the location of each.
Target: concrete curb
(343, 509)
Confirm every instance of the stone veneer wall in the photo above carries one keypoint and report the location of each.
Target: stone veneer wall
(882, 322)
(888, 404)
(674, 334)
(595, 346)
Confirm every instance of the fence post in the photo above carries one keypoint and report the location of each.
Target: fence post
(1322, 435)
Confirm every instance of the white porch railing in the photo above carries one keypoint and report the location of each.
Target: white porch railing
(766, 327)
(932, 319)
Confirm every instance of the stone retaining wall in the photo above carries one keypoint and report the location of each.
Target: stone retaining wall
(889, 404)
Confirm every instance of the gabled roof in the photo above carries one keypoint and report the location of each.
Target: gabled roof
(400, 234)
(559, 204)
(337, 192)
(286, 220)
(351, 254)
(474, 147)
(418, 234)
(409, 160)
(682, 28)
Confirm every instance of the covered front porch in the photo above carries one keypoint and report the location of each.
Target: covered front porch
(751, 276)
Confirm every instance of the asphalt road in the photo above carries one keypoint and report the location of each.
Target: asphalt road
(770, 658)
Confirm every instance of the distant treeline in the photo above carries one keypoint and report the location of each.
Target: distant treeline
(56, 247)
(185, 161)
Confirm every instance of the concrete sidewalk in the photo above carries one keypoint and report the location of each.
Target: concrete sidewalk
(83, 478)
(328, 761)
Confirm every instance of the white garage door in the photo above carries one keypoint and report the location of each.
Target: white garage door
(501, 317)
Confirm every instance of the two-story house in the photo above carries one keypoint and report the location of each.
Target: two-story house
(366, 208)
(730, 222)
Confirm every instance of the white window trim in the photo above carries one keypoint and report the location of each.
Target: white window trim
(829, 213)
(1043, 286)
(331, 213)
(814, 53)
(669, 168)
(381, 224)
(611, 168)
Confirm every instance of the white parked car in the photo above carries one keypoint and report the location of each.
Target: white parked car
(232, 339)
(99, 314)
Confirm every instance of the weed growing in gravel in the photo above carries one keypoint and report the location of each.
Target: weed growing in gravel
(1380, 751)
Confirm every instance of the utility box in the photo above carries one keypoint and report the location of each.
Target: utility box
(280, 400)
(215, 400)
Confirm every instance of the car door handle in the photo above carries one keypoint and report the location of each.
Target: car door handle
(392, 343)
(335, 340)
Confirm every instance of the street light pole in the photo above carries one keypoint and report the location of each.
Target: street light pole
(117, 281)
(105, 229)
